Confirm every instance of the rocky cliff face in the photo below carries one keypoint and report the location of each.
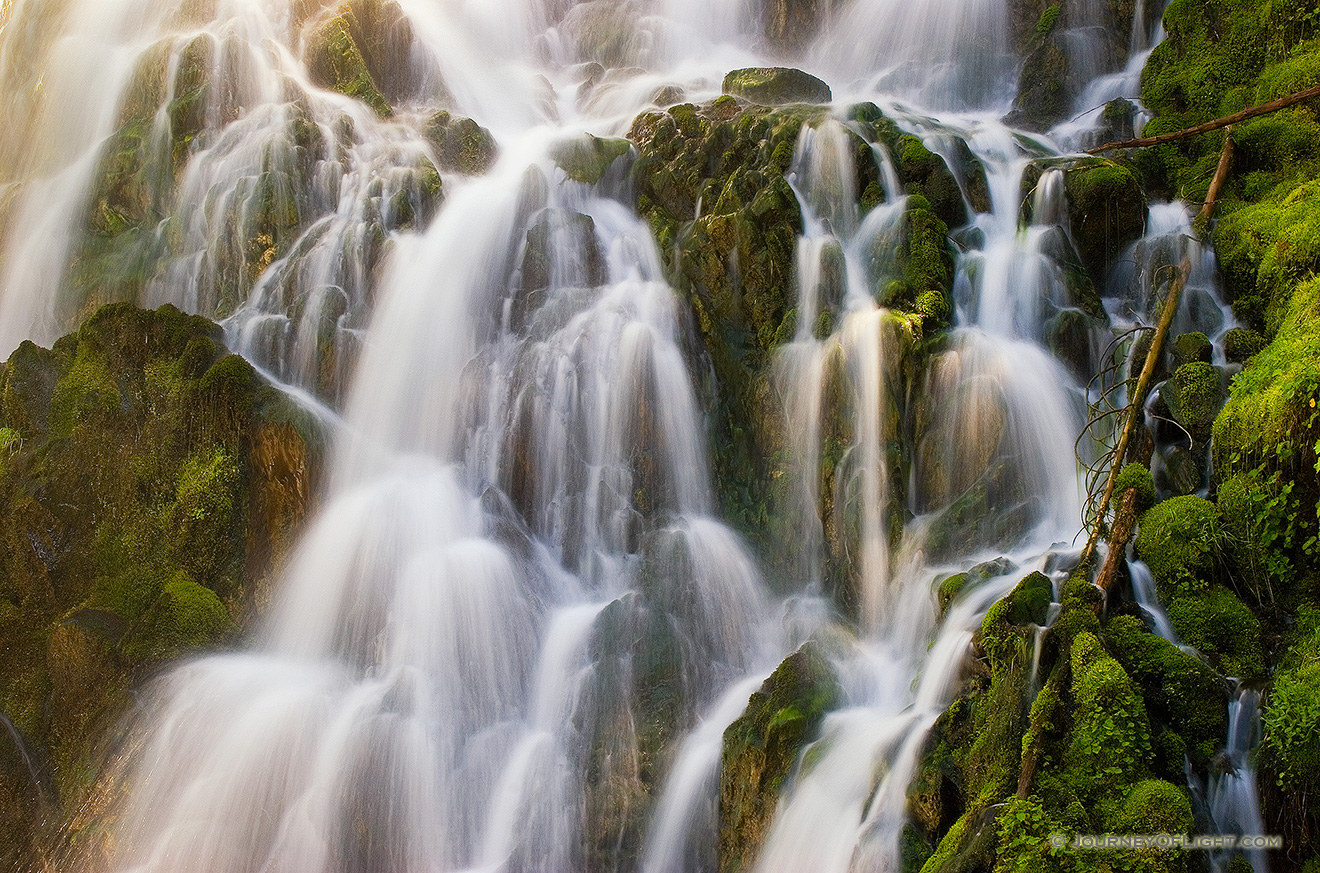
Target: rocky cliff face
(151, 484)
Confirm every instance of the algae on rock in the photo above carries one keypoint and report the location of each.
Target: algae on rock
(153, 485)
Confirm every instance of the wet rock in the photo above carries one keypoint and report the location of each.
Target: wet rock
(1106, 212)
(460, 143)
(790, 25)
(775, 86)
(335, 61)
(606, 32)
(1044, 95)
(155, 485)
(761, 750)
(586, 158)
(1241, 344)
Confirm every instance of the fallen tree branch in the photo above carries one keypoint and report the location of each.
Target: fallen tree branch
(1125, 520)
(1217, 183)
(1226, 121)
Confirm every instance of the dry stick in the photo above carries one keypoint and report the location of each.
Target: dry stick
(1227, 120)
(1137, 403)
(1217, 183)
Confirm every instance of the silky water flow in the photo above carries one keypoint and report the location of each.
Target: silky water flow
(450, 677)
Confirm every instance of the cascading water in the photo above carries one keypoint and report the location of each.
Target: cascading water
(519, 524)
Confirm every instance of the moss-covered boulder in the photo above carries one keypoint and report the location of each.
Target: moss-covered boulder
(585, 158)
(460, 143)
(1180, 540)
(1179, 690)
(1194, 396)
(1222, 628)
(1106, 212)
(152, 485)
(761, 750)
(335, 61)
(775, 86)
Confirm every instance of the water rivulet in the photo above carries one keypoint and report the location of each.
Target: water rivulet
(702, 488)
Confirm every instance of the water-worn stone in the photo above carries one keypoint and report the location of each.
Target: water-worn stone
(775, 86)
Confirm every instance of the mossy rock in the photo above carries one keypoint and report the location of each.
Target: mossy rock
(1109, 746)
(585, 158)
(460, 143)
(776, 86)
(1044, 92)
(1136, 476)
(1106, 212)
(1242, 344)
(761, 749)
(1223, 628)
(1180, 540)
(335, 61)
(1179, 690)
(153, 488)
(1195, 395)
(1191, 348)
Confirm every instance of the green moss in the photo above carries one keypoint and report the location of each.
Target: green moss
(1178, 689)
(1221, 627)
(335, 61)
(1197, 396)
(1270, 414)
(774, 86)
(1153, 806)
(1180, 540)
(762, 746)
(1136, 476)
(1191, 348)
(185, 617)
(1268, 247)
(86, 391)
(1048, 17)
(150, 499)
(1106, 212)
(927, 264)
(461, 144)
(586, 158)
(1242, 344)
(1110, 742)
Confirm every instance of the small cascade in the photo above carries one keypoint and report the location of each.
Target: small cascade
(945, 54)
(1233, 799)
(686, 826)
(1143, 592)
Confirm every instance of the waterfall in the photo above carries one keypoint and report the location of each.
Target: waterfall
(514, 634)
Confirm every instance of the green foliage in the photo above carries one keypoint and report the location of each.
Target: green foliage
(1292, 728)
(1180, 540)
(1110, 742)
(1024, 834)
